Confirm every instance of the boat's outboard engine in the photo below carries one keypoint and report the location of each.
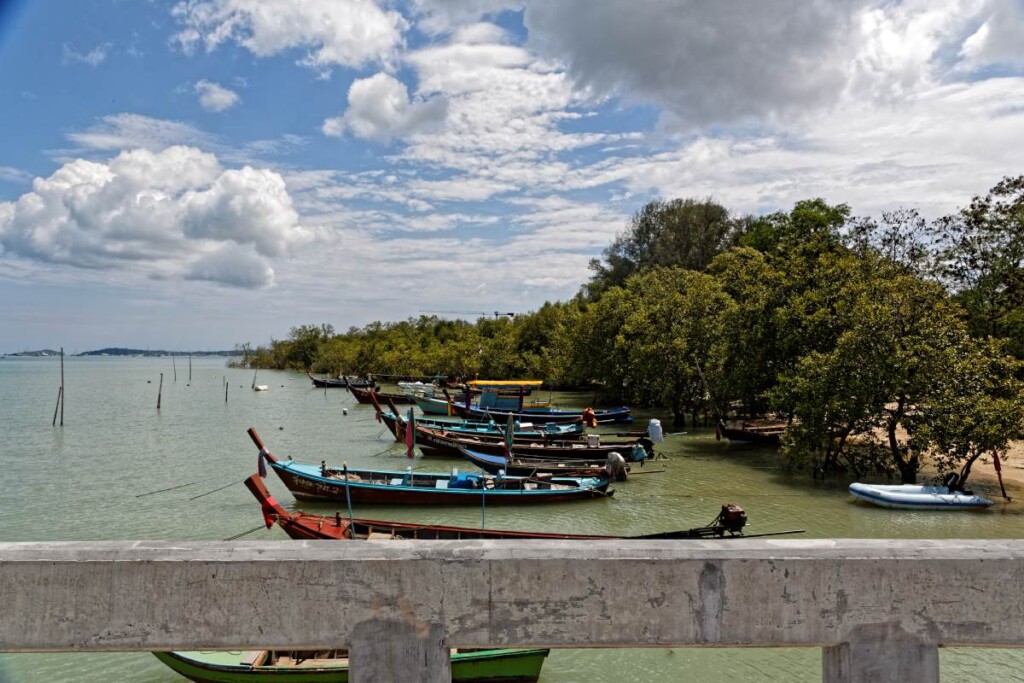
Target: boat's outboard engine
(732, 518)
(951, 481)
(616, 466)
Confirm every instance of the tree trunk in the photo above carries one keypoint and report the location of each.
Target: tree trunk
(907, 467)
(965, 471)
(678, 416)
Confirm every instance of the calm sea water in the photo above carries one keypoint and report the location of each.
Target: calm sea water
(93, 478)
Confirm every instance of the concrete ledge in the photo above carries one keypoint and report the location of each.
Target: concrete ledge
(785, 592)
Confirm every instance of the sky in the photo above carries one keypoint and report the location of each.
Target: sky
(195, 174)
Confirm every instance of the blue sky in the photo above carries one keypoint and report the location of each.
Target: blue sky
(196, 174)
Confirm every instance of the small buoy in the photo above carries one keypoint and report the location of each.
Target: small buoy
(188, 385)
(149, 381)
(280, 428)
(344, 411)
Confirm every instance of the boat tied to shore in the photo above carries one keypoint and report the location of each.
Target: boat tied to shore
(396, 487)
(728, 523)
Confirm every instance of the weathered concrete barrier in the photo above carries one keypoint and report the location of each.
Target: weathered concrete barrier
(880, 609)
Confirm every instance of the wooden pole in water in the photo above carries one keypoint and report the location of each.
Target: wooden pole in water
(160, 391)
(190, 367)
(348, 501)
(254, 377)
(62, 386)
(174, 366)
(225, 391)
(60, 390)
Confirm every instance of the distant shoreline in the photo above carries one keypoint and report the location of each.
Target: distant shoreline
(122, 352)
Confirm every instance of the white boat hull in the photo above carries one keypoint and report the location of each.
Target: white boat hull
(913, 497)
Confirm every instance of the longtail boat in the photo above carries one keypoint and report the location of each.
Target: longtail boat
(441, 443)
(494, 394)
(522, 432)
(364, 395)
(305, 526)
(339, 383)
(331, 666)
(494, 404)
(397, 487)
(619, 415)
(768, 433)
(434, 405)
(527, 466)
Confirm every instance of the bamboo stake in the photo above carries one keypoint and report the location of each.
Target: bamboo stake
(174, 366)
(60, 391)
(225, 391)
(190, 367)
(160, 391)
(62, 386)
(348, 501)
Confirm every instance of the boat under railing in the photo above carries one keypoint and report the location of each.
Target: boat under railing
(879, 609)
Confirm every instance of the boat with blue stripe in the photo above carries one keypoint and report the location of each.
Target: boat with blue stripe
(397, 487)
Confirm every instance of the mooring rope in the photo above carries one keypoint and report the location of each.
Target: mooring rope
(219, 489)
(245, 533)
(170, 489)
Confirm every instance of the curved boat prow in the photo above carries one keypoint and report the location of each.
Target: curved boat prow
(260, 492)
(260, 445)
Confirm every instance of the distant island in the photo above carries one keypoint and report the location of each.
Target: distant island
(118, 351)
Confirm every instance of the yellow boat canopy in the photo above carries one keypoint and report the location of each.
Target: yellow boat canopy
(505, 383)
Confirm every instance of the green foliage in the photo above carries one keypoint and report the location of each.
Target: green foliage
(981, 256)
(660, 332)
(976, 408)
(852, 330)
(681, 232)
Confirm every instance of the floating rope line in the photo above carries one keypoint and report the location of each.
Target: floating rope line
(245, 533)
(389, 448)
(220, 489)
(170, 489)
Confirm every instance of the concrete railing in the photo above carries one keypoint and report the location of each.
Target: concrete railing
(879, 609)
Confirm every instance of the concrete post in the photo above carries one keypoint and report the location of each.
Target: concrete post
(880, 661)
(385, 651)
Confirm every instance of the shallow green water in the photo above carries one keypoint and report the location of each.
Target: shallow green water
(83, 482)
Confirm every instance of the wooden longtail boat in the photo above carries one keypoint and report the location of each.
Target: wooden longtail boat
(751, 431)
(339, 383)
(521, 433)
(433, 405)
(331, 666)
(526, 466)
(441, 443)
(544, 415)
(395, 487)
(305, 526)
(363, 396)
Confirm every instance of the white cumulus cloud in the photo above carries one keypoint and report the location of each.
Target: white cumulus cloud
(215, 97)
(350, 33)
(379, 108)
(172, 213)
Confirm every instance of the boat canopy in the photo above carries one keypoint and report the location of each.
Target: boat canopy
(482, 383)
